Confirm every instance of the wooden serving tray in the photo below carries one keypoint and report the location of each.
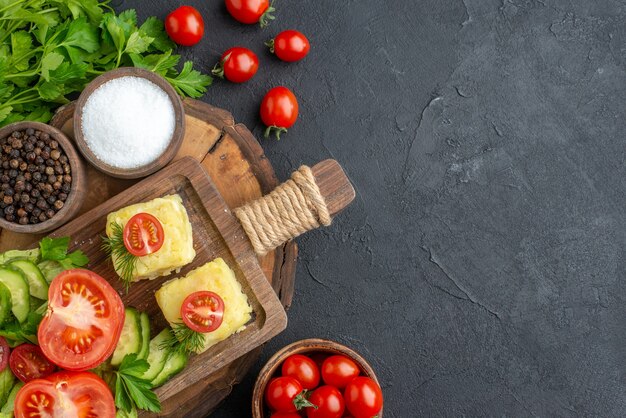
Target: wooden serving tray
(234, 160)
(216, 233)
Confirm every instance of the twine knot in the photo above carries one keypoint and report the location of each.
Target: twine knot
(294, 207)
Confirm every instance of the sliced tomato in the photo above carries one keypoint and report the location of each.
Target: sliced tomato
(4, 353)
(203, 311)
(143, 234)
(28, 362)
(65, 394)
(84, 320)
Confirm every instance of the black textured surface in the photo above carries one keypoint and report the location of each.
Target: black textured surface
(481, 268)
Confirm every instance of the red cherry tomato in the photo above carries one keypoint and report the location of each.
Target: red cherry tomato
(250, 11)
(363, 397)
(285, 415)
(289, 45)
(203, 311)
(303, 369)
(28, 362)
(143, 234)
(279, 110)
(185, 26)
(84, 320)
(237, 65)
(329, 403)
(65, 394)
(339, 370)
(285, 394)
(4, 353)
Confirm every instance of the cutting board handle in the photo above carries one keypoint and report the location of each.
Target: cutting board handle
(308, 200)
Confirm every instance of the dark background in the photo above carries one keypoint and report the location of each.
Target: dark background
(481, 268)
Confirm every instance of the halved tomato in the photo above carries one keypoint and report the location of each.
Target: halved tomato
(28, 362)
(203, 311)
(65, 394)
(143, 234)
(84, 320)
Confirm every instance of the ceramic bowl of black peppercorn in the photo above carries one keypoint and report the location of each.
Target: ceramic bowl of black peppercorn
(42, 179)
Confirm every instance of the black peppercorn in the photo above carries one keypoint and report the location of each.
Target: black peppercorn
(36, 211)
(66, 188)
(56, 185)
(52, 199)
(30, 131)
(8, 200)
(52, 178)
(25, 198)
(45, 136)
(49, 171)
(62, 196)
(9, 210)
(14, 163)
(41, 204)
(13, 173)
(58, 204)
(23, 220)
(21, 212)
(42, 217)
(50, 213)
(10, 217)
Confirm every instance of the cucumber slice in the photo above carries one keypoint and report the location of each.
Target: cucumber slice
(8, 406)
(145, 335)
(5, 303)
(157, 356)
(38, 286)
(6, 383)
(130, 340)
(18, 286)
(175, 363)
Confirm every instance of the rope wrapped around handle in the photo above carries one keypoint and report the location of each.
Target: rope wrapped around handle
(291, 209)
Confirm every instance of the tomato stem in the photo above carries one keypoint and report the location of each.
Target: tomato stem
(302, 401)
(270, 45)
(277, 131)
(266, 17)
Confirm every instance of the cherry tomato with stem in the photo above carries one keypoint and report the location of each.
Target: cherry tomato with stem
(5, 351)
(289, 45)
(286, 394)
(339, 370)
(185, 26)
(303, 369)
(65, 394)
(237, 65)
(363, 397)
(251, 11)
(28, 362)
(203, 311)
(329, 402)
(279, 110)
(84, 320)
(143, 234)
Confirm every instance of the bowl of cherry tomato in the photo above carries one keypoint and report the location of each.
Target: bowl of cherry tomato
(317, 378)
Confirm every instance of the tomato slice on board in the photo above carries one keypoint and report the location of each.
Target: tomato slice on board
(28, 362)
(4, 353)
(84, 320)
(65, 394)
(143, 234)
(203, 311)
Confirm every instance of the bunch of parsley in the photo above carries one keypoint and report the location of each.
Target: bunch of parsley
(50, 49)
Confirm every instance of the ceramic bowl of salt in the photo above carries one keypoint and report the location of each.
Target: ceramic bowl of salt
(129, 122)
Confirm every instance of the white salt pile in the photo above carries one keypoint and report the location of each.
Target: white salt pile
(128, 122)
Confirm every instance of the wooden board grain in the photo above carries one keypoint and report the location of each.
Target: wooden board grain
(216, 233)
(213, 138)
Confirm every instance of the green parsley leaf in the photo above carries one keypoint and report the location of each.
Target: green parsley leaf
(50, 91)
(138, 43)
(21, 46)
(49, 62)
(81, 34)
(190, 82)
(54, 248)
(158, 63)
(4, 112)
(131, 390)
(153, 28)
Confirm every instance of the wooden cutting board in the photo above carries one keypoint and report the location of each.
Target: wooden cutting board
(232, 157)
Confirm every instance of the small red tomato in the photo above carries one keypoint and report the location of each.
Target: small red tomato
(4, 353)
(363, 397)
(285, 394)
(185, 26)
(329, 403)
(289, 45)
(303, 369)
(251, 11)
(143, 234)
(279, 110)
(339, 370)
(237, 65)
(286, 415)
(203, 311)
(28, 362)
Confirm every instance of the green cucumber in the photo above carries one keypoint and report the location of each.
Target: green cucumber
(145, 335)
(175, 363)
(157, 355)
(8, 406)
(38, 286)
(130, 339)
(6, 383)
(18, 286)
(32, 255)
(5, 303)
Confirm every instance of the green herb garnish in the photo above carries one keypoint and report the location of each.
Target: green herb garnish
(55, 249)
(131, 390)
(184, 339)
(124, 261)
(50, 49)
